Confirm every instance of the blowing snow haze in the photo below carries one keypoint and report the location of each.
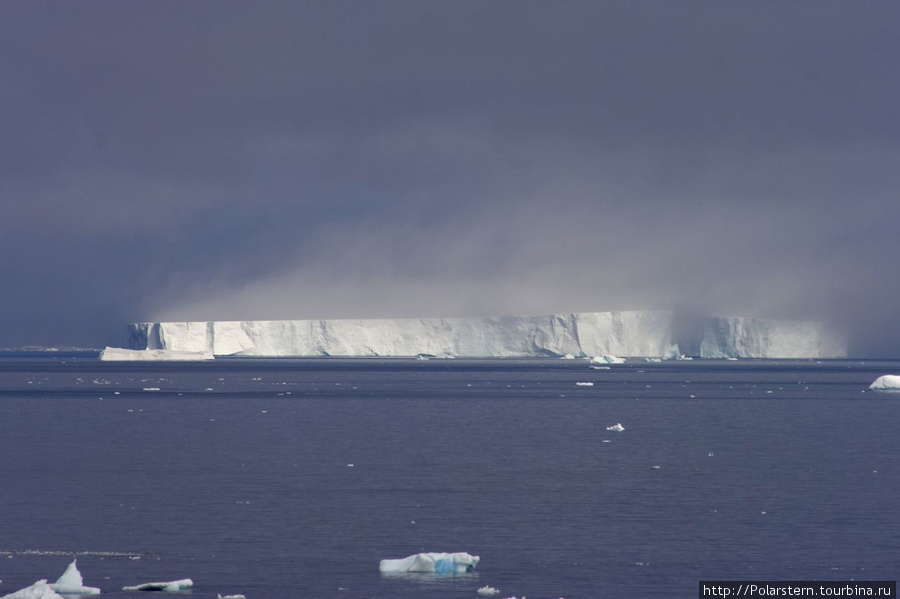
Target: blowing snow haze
(232, 161)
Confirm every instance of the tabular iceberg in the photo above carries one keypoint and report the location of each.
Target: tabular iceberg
(646, 334)
(437, 563)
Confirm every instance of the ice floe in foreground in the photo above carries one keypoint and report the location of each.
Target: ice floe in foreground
(888, 382)
(438, 563)
(617, 427)
(39, 590)
(169, 587)
(71, 583)
(488, 590)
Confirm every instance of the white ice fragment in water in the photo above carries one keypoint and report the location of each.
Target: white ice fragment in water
(71, 583)
(488, 590)
(438, 563)
(584, 384)
(231, 597)
(888, 382)
(607, 359)
(39, 590)
(169, 587)
(617, 427)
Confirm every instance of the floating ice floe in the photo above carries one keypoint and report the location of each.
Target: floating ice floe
(438, 563)
(888, 382)
(169, 587)
(488, 590)
(231, 597)
(584, 384)
(617, 427)
(607, 359)
(39, 590)
(71, 583)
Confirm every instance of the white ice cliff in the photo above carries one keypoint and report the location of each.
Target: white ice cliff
(646, 334)
(438, 563)
(118, 354)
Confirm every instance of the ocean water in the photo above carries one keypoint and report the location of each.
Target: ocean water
(285, 479)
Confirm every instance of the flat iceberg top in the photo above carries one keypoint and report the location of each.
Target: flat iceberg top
(437, 563)
(888, 382)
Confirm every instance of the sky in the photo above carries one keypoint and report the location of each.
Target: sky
(229, 160)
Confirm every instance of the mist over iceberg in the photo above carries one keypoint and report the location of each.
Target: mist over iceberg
(638, 333)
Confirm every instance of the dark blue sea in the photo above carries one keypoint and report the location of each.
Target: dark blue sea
(282, 479)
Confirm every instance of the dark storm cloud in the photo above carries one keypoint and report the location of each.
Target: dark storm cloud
(287, 160)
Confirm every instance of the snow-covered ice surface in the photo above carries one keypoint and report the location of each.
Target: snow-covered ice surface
(437, 563)
(888, 382)
(72, 583)
(169, 587)
(609, 334)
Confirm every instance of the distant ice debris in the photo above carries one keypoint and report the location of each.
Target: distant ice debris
(71, 583)
(438, 563)
(673, 353)
(39, 590)
(488, 590)
(231, 597)
(117, 354)
(888, 382)
(607, 359)
(169, 587)
(617, 427)
(584, 384)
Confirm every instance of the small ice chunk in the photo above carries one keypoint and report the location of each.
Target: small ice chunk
(169, 587)
(439, 563)
(888, 382)
(231, 597)
(617, 427)
(607, 359)
(584, 384)
(39, 590)
(488, 590)
(71, 583)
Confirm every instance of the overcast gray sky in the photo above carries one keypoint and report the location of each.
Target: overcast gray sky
(263, 160)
